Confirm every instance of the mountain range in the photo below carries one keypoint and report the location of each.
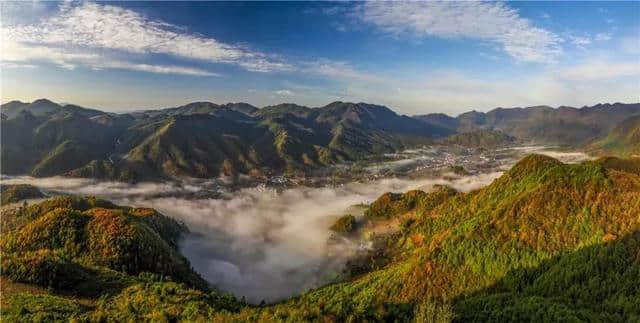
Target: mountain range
(200, 139)
(566, 126)
(205, 140)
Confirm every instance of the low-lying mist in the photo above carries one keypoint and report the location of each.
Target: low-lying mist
(259, 243)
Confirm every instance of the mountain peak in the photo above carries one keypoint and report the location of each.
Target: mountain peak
(43, 101)
(14, 102)
(243, 107)
(533, 163)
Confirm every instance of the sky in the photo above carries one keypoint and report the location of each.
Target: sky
(414, 57)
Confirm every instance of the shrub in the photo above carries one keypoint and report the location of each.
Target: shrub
(345, 224)
(44, 268)
(15, 193)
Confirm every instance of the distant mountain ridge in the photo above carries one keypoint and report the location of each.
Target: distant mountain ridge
(204, 139)
(483, 138)
(200, 139)
(542, 124)
(623, 140)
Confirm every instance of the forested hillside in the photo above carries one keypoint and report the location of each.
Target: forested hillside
(623, 140)
(546, 241)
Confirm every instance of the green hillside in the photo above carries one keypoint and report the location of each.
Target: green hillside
(544, 242)
(623, 140)
(16, 193)
(66, 255)
(534, 245)
(483, 138)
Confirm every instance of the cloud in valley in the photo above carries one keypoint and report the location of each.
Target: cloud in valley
(256, 242)
(263, 243)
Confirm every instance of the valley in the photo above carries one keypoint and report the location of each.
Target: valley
(269, 239)
(406, 254)
(384, 216)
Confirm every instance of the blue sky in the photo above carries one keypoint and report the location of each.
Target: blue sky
(416, 57)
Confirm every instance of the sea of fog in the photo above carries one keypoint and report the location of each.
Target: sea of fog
(263, 243)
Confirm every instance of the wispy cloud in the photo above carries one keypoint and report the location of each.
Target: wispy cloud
(579, 40)
(338, 70)
(18, 55)
(159, 69)
(22, 11)
(260, 243)
(18, 52)
(284, 92)
(96, 28)
(488, 21)
(603, 36)
(16, 65)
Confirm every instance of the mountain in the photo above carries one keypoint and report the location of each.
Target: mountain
(43, 107)
(483, 138)
(546, 241)
(538, 244)
(44, 138)
(542, 124)
(623, 140)
(204, 139)
(440, 120)
(200, 139)
(201, 108)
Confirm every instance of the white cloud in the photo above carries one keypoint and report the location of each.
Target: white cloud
(488, 21)
(16, 54)
(91, 27)
(16, 65)
(22, 11)
(579, 40)
(603, 36)
(284, 92)
(14, 51)
(260, 243)
(338, 70)
(159, 69)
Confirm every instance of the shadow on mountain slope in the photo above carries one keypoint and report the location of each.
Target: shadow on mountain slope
(595, 284)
